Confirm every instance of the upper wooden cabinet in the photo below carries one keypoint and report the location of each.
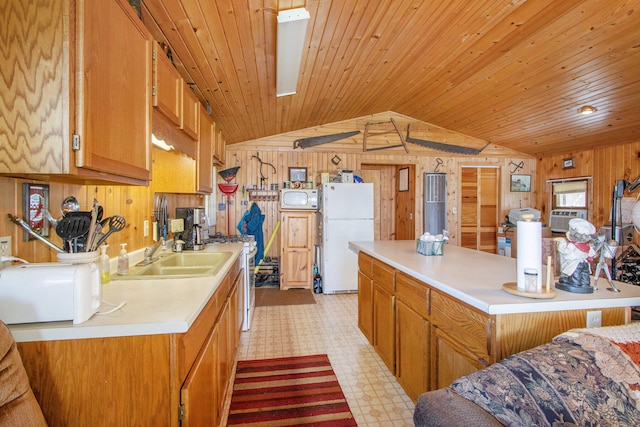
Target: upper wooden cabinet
(167, 86)
(218, 148)
(78, 97)
(190, 118)
(204, 162)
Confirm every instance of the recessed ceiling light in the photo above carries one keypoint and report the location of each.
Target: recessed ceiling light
(587, 109)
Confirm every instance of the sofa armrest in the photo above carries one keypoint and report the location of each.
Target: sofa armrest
(445, 408)
(18, 405)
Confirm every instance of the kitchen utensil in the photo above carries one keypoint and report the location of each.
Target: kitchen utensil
(73, 228)
(91, 236)
(116, 223)
(70, 204)
(20, 222)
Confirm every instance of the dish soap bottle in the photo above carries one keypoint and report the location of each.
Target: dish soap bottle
(103, 265)
(123, 261)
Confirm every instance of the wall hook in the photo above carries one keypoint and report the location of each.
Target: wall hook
(518, 166)
(439, 163)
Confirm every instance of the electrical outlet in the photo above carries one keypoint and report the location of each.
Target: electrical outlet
(5, 246)
(594, 319)
(145, 228)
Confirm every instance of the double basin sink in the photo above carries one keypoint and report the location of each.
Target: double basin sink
(179, 264)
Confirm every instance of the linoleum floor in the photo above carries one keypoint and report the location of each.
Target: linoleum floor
(331, 327)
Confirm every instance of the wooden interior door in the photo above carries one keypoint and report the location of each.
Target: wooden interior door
(405, 202)
(479, 207)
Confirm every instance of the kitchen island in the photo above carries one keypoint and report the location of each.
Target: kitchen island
(172, 345)
(433, 319)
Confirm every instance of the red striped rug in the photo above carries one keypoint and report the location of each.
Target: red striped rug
(290, 391)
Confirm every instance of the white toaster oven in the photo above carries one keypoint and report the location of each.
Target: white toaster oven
(49, 292)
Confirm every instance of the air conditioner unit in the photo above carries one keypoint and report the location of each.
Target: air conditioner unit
(559, 219)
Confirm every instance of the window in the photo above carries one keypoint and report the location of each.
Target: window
(570, 194)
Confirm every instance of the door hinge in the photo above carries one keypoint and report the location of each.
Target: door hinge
(153, 54)
(153, 91)
(180, 412)
(75, 142)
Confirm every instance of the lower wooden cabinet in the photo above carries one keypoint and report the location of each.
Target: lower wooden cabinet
(296, 249)
(161, 380)
(200, 387)
(428, 338)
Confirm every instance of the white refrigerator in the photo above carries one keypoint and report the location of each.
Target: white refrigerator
(346, 214)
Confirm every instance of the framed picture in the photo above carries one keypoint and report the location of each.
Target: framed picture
(35, 202)
(520, 183)
(297, 174)
(569, 163)
(403, 179)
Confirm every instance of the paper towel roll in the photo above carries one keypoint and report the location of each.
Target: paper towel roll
(529, 244)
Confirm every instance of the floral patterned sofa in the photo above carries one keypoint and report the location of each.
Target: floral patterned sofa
(583, 377)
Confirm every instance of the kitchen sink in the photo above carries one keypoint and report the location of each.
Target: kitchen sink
(182, 264)
(193, 259)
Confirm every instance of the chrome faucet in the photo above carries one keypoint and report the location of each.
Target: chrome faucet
(150, 251)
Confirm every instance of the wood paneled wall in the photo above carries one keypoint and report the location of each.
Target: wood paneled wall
(605, 166)
(135, 203)
(373, 166)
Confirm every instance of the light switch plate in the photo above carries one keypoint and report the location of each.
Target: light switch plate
(176, 225)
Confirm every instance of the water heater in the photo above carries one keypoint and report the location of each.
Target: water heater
(435, 202)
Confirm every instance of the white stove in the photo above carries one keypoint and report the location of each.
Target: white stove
(249, 249)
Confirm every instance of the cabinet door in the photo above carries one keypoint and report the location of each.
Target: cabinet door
(218, 148)
(35, 101)
(204, 179)
(190, 113)
(365, 306)
(167, 86)
(384, 340)
(113, 91)
(297, 256)
(451, 360)
(223, 364)
(199, 392)
(412, 352)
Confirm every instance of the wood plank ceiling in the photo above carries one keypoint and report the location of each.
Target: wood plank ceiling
(511, 72)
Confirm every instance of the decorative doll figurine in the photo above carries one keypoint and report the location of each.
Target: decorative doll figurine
(575, 253)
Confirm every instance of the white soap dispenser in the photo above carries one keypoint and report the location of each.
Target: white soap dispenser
(103, 264)
(123, 261)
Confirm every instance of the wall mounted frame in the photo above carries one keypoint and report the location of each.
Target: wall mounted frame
(520, 183)
(35, 205)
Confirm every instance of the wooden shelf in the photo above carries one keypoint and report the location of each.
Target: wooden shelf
(268, 195)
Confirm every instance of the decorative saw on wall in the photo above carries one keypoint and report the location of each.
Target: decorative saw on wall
(441, 146)
(313, 141)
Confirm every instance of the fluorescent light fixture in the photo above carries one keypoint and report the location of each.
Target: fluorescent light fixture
(292, 30)
(161, 143)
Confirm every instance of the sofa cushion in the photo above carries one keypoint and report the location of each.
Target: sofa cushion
(583, 377)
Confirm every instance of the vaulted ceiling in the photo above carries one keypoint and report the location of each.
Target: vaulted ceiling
(510, 72)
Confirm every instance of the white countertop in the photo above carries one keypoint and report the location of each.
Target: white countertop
(476, 278)
(153, 306)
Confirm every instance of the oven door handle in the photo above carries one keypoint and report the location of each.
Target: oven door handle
(253, 252)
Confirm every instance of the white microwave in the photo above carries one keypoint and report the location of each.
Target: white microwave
(298, 198)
